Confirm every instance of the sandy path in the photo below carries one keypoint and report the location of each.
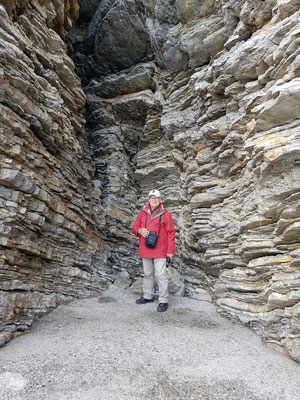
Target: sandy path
(110, 348)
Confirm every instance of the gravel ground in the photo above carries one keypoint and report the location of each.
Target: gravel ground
(110, 348)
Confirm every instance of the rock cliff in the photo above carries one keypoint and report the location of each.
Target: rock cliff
(201, 100)
(52, 223)
(198, 98)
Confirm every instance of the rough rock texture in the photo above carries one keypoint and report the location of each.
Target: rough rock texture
(202, 102)
(51, 218)
(199, 99)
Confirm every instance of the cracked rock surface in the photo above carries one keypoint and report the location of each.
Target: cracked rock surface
(211, 119)
(199, 99)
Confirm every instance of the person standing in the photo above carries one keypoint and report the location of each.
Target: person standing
(153, 218)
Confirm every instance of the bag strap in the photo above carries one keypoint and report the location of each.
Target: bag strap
(158, 225)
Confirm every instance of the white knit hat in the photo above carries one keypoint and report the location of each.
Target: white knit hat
(154, 192)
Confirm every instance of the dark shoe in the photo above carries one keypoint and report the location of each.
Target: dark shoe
(142, 300)
(162, 307)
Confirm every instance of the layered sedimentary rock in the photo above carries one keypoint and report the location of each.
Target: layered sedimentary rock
(200, 99)
(52, 224)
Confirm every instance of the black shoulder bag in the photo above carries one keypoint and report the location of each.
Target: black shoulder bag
(151, 239)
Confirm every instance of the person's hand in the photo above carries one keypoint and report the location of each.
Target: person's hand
(171, 256)
(143, 232)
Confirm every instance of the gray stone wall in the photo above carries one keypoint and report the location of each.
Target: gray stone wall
(202, 102)
(51, 219)
(199, 99)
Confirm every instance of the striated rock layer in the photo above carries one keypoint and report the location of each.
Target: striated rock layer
(51, 219)
(200, 99)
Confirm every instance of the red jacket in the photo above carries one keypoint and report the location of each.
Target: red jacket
(166, 241)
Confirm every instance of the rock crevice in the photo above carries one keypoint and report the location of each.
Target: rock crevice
(212, 121)
(52, 220)
(199, 99)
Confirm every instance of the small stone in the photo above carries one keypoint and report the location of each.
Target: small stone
(14, 381)
(122, 280)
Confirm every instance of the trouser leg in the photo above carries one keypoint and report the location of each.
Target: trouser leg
(161, 274)
(148, 281)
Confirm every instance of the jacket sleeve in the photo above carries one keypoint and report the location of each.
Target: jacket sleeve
(170, 233)
(137, 224)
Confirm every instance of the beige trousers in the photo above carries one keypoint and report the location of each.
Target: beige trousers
(155, 267)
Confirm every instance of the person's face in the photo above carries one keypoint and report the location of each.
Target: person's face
(154, 201)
